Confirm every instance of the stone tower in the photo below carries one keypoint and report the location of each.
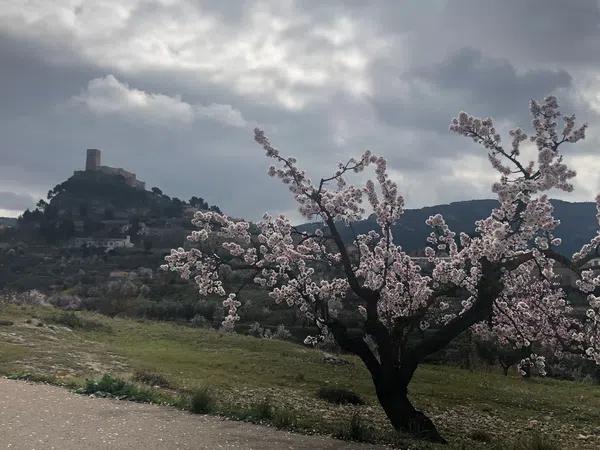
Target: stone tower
(92, 161)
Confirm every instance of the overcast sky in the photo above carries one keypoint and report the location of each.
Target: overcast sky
(171, 90)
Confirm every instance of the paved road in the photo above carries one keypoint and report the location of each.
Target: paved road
(39, 416)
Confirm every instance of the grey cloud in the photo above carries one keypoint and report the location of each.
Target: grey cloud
(429, 97)
(30, 84)
(14, 202)
(552, 32)
(493, 83)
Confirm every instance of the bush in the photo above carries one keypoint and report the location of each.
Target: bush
(328, 344)
(283, 419)
(201, 401)
(65, 301)
(122, 389)
(199, 321)
(256, 330)
(356, 430)
(151, 379)
(533, 442)
(282, 333)
(74, 321)
(206, 309)
(263, 410)
(339, 396)
(480, 436)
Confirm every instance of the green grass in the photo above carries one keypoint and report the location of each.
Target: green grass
(472, 409)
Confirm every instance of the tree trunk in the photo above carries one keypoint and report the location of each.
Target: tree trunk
(392, 395)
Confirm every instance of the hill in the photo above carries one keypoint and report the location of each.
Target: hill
(98, 195)
(578, 223)
(100, 204)
(8, 221)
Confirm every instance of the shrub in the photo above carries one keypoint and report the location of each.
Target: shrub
(480, 436)
(34, 377)
(65, 301)
(122, 389)
(356, 430)
(206, 309)
(201, 401)
(283, 419)
(256, 330)
(74, 321)
(532, 442)
(199, 321)
(339, 396)
(328, 344)
(282, 333)
(262, 410)
(151, 378)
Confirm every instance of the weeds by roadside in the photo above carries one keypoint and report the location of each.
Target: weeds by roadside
(151, 379)
(201, 401)
(42, 378)
(110, 386)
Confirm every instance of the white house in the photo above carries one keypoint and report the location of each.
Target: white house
(109, 243)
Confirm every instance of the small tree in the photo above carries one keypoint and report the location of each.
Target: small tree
(500, 281)
(198, 202)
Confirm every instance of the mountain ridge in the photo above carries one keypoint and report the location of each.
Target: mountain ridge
(578, 223)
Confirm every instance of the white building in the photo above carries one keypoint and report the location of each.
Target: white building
(109, 243)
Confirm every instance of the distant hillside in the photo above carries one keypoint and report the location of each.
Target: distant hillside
(578, 222)
(8, 221)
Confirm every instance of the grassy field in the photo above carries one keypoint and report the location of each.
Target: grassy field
(472, 409)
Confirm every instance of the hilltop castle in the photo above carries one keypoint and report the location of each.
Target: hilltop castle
(92, 164)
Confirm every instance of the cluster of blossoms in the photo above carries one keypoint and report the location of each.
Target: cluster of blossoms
(519, 234)
(500, 280)
(589, 283)
(532, 363)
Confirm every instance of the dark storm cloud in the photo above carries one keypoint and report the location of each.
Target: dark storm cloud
(553, 32)
(172, 90)
(30, 84)
(492, 83)
(429, 97)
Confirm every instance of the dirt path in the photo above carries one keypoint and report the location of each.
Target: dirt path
(39, 416)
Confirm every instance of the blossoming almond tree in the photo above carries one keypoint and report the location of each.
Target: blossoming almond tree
(500, 282)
